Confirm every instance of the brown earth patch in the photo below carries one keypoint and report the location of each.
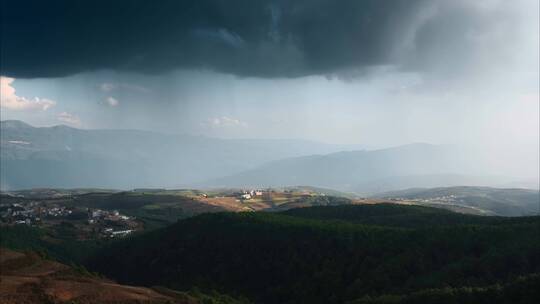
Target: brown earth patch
(28, 278)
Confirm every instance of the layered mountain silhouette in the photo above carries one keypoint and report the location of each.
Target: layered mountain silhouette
(61, 156)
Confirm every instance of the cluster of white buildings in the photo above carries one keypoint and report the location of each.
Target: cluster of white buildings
(31, 212)
(106, 218)
(95, 215)
(58, 211)
(107, 223)
(110, 232)
(246, 195)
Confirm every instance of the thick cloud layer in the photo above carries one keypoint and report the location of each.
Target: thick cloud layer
(279, 38)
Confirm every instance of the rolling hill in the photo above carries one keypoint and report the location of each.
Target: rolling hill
(333, 253)
(494, 201)
(327, 254)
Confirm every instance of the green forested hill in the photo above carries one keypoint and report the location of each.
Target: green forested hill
(61, 248)
(329, 254)
(394, 215)
(522, 290)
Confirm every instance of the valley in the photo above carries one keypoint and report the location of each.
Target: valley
(94, 215)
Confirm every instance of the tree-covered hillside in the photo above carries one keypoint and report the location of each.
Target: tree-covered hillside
(522, 290)
(396, 215)
(328, 254)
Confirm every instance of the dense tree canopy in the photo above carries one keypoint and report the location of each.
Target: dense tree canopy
(329, 254)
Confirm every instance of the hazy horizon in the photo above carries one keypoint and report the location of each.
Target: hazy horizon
(355, 146)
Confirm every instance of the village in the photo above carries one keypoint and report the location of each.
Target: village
(449, 199)
(101, 215)
(85, 222)
(249, 194)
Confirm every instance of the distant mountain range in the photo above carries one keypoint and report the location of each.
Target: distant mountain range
(62, 156)
(65, 157)
(368, 172)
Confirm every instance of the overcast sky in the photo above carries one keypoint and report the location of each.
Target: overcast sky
(377, 73)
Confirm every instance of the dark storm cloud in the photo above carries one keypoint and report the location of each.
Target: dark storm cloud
(252, 38)
(249, 38)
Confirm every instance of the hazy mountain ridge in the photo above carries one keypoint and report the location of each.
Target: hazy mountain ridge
(62, 156)
(66, 157)
(369, 172)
